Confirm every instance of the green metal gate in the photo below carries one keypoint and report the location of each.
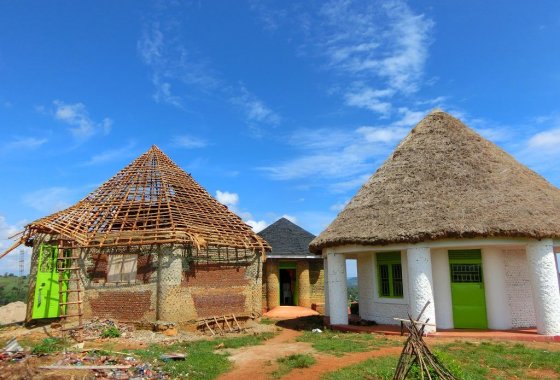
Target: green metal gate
(467, 289)
(47, 287)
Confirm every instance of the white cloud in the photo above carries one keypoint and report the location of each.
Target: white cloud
(291, 218)
(232, 201)
(111, 155)
(227, 198)
(254, 109)
(386, 135)
(172, 65)
(257, 225)
(77, 117)
(49, 200)
(379, 44)
(370, 99)
(10, 263)
(547, 140)
(29, 143)
(189, 142)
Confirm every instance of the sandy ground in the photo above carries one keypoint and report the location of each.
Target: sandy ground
(289, 312)
(12, 313)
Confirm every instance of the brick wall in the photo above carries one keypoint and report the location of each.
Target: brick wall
(317, 281)
(214, 276)
(96, 267)
(145, 268)
(518, 289)
(123, 305)
(208, 305)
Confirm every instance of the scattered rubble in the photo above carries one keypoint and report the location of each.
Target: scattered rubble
(94, 329)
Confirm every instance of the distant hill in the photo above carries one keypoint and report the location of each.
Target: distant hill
(11, 289)
(352, 282)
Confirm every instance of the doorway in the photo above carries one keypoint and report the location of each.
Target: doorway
(288, 284)
(467, 290)
(47, 286)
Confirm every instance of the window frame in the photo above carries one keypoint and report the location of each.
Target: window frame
(391, 260)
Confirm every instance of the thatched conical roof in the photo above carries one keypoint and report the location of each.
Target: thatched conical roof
(150, 201)
(446, 181)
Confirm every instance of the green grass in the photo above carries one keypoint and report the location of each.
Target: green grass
(48, 346)
(203, 360)
(339, 343)
(111, 332)
(469, 361)
(290, 362)
(266, 321)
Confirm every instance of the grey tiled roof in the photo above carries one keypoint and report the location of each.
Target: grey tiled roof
(287, 238)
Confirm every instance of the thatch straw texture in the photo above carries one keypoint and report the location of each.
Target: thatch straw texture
(446, 181)
(151, 201)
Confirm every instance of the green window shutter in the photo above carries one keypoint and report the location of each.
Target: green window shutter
(389, 271)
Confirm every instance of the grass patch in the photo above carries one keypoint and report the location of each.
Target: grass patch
(111, 332)
(266, 321)
(203, 361)
(290, 362)
(338, 343)
(48, 346)
(469, 361)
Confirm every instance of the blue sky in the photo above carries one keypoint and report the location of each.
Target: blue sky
(276, 108)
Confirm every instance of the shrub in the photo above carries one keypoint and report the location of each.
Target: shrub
(111, 332)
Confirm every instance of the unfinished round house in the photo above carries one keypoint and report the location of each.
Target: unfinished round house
(149, 244)
(451, 221)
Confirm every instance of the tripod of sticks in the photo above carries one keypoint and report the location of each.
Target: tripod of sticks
(416, 352)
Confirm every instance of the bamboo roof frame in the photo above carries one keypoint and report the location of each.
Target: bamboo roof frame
(152, 201)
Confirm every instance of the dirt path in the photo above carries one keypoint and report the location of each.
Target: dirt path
(329, 363)
(258, 362)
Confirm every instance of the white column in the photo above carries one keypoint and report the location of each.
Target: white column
(544, 283)
(498, 311)
(421, 284)
(338, 296)
(326, 285)
(365, 284)
(442, 288)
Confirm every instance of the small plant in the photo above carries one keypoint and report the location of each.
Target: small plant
(111, 332)
(47, 346)
(288, 363)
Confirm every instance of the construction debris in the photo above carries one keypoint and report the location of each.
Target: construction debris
(416, 353)
(107, 366)
(95, 328)
(12, 346)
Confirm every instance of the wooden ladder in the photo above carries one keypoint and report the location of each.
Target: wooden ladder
(68, 275)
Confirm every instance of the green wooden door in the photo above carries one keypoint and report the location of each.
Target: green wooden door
(45, 302)
(467, 290)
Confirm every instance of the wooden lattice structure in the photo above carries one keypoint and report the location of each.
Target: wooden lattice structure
(416, 353)
(152, 201)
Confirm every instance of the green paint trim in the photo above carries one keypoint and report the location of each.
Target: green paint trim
(390, 260)
(287, 265)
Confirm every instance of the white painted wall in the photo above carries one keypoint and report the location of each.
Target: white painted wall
(442, 288)
(385, 309)
(421, 285)
(338, 304)
(366, 278)
(498, 311)
(544, 281)
(326, 289)
(518, 289)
